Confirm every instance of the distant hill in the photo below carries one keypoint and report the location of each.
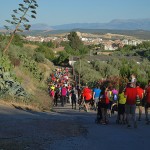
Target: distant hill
(40, 26)
(140, 28)
(117, 24)
(143, 24)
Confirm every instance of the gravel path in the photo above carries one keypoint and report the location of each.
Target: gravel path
(66, 129)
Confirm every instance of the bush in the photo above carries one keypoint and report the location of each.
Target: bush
(48, 53)
(39, 57)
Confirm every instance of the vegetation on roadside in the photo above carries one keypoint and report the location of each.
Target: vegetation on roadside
(25, 67)
(91, 72)
(22, 76)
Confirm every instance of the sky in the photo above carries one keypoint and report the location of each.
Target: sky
(57, 12)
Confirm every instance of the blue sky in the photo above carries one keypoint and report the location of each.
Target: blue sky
(56, 12)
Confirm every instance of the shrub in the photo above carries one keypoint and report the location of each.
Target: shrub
(39, 57)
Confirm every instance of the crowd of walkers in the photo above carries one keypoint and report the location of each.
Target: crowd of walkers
(103, 99)
(59, 85)
(125, 101)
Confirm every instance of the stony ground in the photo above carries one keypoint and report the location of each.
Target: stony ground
(66, 129)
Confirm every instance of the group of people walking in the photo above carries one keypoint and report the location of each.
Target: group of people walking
(125, 101)
(60, 88)
(103, 99)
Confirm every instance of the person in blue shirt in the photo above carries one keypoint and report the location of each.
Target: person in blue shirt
(96, 95)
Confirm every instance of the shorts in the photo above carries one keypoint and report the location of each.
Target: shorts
(96, 99)
(87, 101)
(140, 104)
(130, 109)
(121, 109)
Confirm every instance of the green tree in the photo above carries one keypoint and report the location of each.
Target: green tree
(48, 53)
(74, 41)
(86, 72)
(39, 57)
(145, 45)
(49, 44)
(62, 58)
(17, 40)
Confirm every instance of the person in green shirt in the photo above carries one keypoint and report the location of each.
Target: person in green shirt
(121, 106)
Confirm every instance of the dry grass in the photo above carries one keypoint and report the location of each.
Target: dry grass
(40, 99)
(31, 46)
(59, 49)
(18, 105)
(46, 69)
(39, 102)
(26, 80)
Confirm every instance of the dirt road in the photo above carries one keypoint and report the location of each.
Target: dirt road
(66, 129)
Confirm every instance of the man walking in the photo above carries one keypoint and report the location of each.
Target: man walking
(130, 107)
(96, 96)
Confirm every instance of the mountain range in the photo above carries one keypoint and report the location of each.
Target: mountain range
(117, 24)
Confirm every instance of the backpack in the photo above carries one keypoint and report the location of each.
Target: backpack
(104, 99)
(115, 97)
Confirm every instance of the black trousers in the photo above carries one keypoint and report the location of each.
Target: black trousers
(63, 100)
(73, 101)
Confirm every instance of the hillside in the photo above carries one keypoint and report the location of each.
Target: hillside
(23, 81)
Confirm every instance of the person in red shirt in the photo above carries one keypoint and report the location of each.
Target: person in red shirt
(87, 96)
(147, 104)
(130, 107)
(140, 93)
